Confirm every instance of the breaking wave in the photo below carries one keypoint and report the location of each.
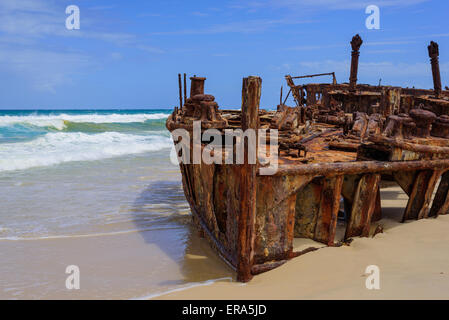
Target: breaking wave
(59, 147)
(62, 121)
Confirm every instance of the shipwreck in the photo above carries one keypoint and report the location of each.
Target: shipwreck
(335, 145)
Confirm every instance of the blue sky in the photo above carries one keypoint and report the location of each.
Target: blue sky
(127, 54)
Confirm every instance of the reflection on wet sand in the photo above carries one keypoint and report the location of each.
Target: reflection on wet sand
(163, 203)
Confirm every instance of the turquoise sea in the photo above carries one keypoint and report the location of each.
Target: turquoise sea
(95, 188)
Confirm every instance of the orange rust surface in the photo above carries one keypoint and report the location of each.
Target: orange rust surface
(318, 151)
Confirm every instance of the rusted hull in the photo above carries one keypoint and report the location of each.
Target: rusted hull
(334, 147)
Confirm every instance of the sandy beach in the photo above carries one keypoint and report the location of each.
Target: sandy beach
(151, 250)
(170, 150)
(412, 257)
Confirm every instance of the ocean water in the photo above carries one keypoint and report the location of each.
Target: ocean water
(95, 189)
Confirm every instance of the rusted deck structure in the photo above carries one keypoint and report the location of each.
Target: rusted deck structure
(335, 145)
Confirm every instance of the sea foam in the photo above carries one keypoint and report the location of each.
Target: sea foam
(59, 121)
(59, 147)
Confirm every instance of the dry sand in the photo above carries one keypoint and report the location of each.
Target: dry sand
(413, 259)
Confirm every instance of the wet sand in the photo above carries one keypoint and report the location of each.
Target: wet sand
(413, 259)
(132, 265)
(170, 261)
(130, 234)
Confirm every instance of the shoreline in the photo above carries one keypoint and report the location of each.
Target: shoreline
(412, 258)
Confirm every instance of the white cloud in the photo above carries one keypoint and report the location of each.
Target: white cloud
(35, 19)
(44, 70)
(391, 43)
(383, 51)
(314, 47)
(29, 18)
(27, 28)
(200, 14)
(388, 42)
(24, 5)
(298, 5)
(249, 26)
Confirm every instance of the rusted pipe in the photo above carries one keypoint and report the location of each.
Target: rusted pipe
(433, 54)
(180, 91)
(340, 168)
(185, 88)
(280, 100)
(334, 80)
(409, 145)
(264, 267)
(355, 44)
(295, 254)
(285, 100)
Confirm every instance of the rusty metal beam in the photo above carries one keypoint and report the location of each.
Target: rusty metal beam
(440, 203)
(405, 180)
(363, 206)
(334, 79)
(377, 214)
(246, 220)
(341, 168)
(418, 204)
(328, 212)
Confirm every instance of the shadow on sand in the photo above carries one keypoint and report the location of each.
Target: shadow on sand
(163, 214)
